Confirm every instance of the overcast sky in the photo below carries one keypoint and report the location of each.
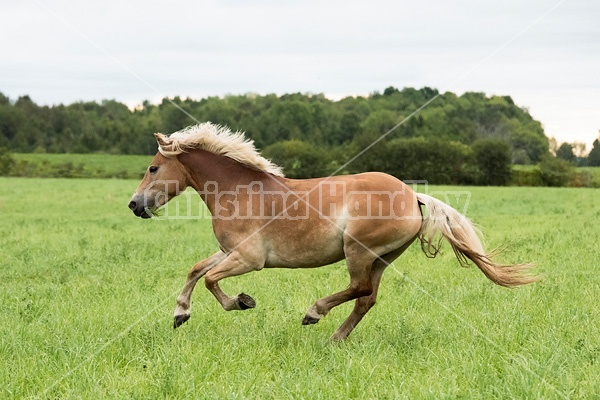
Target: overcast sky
(543, 53)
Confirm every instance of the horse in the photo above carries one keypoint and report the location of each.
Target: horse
(263, 220)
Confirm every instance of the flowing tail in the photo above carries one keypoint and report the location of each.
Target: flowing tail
(463, 236)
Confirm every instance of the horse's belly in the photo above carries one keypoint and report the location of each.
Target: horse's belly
(305, 254)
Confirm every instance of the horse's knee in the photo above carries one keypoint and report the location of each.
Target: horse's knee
(191, 275)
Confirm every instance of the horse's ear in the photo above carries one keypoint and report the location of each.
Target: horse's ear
(162, 140)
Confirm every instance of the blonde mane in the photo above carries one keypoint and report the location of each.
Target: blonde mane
(217, 140)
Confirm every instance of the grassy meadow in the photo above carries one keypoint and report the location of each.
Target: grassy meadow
(88, 291)
(48, 165)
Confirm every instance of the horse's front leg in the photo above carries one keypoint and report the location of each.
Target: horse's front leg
(182, 311)
(236, 263)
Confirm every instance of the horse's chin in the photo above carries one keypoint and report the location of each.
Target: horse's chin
(144, 214)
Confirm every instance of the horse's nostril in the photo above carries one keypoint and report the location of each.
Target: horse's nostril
(132, 205)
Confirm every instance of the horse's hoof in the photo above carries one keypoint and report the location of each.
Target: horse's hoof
(308, 320)
(245, 302)
(179, 320)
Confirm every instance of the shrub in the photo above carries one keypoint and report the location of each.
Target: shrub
(6, 161)
(493, 158)
(526, 177)
(436, 161)
(555, 171)
(581, 179)
(299, 159)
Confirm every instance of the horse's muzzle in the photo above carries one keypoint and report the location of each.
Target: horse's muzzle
(139, 210)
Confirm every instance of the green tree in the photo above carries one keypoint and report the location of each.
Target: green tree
(493, 157)
(521, 157)
(175, 115)
(351, 124)
(521, 138)
(565, 152)
(379, 122)
(593, 159)
(353, 112)
(4, 100)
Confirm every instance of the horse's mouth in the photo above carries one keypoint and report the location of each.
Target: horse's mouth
(145, 214)
(140, 209)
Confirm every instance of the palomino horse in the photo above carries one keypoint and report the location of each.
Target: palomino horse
(261, 219)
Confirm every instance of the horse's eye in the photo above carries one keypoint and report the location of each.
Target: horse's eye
(153, 169)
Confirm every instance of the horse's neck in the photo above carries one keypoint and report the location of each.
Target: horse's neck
(211, 173)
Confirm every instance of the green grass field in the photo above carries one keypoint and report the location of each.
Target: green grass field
(88, 291)
(82, 165)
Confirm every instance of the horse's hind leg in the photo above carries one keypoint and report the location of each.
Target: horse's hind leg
(363, 304)
(182, 311)
(359, 267)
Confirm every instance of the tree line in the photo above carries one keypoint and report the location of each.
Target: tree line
(467, 139)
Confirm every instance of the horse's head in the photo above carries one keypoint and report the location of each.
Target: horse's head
(165, 178)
